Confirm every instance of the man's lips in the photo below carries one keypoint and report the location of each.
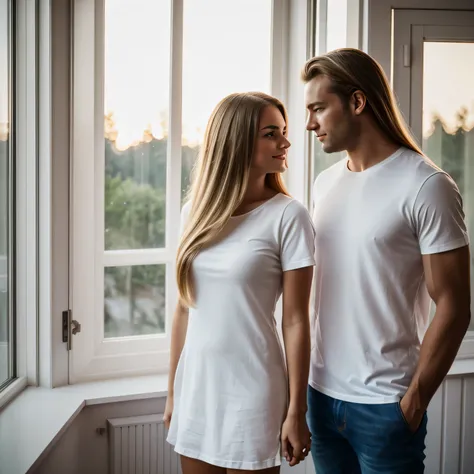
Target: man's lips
(321, 137)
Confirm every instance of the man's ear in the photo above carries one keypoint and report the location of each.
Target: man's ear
(359, 101)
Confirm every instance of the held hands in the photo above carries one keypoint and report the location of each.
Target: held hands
(168, 411)
(295, 439)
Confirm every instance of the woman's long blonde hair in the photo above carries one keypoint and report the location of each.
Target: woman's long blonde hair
(350, 70)
(220, 177)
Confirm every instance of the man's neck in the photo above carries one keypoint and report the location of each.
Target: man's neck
(371, 148)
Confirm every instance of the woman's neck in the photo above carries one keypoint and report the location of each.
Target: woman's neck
(257, 190)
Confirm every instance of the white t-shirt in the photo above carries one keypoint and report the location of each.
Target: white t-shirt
(371, 305)
(230, 395)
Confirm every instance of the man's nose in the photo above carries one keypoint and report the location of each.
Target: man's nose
(311, 124)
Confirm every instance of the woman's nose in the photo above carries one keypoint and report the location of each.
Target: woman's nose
(285, 143)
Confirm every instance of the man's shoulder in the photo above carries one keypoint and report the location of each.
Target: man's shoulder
(329, 175)
(415, 166)
(333, 170)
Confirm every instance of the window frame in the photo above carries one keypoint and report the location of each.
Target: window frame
(11, 342)
(24, 237)
(92, 357)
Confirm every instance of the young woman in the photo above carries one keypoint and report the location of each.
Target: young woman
(233, 404)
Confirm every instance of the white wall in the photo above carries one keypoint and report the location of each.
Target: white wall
(81, 449)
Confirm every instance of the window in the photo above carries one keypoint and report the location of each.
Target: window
(141, 104)
(239, 61)
(448, 118)
(336, 24)
(7, 319)
(136, 90)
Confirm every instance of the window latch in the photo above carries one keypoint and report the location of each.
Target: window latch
(70, 327)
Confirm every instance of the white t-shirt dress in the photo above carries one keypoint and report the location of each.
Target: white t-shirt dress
(231, 387)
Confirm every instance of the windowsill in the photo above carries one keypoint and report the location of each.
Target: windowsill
(37, 418)
(12, 391)
(462, 367)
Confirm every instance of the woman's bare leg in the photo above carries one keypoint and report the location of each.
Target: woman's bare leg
(270, 470)
(194, 466)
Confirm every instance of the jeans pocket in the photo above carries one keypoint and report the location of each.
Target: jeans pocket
(405, 422)
(403, 419)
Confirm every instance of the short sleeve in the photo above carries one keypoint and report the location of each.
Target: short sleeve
(297, 238)
(438, 215)
(184, 217)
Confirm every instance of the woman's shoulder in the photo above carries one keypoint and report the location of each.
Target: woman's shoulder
(292, 207)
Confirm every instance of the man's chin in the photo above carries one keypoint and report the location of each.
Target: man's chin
(327, 148)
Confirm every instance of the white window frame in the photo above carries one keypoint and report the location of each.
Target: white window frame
(302, 30)
(53, 150)
(92, 357)
(26, 198)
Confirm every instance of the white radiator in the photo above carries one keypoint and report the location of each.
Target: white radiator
(137, 445)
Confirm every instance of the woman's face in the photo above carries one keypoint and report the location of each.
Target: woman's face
(271, 146)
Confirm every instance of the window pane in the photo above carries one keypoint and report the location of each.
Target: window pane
(226, 48)
(137, 55)
(336, 33)
(6, 348)
(448, 117)
(134, 302)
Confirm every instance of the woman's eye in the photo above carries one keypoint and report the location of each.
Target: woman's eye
(270, 134)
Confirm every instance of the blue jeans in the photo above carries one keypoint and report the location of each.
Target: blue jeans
(356, 438)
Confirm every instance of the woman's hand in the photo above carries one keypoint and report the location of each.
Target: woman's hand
(168, 411)
(295, 439)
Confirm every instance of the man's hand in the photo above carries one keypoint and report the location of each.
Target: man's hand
(411, 412)
(295, 439)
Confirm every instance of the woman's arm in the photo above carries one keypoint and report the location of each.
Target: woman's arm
(296, 336)
(178, 337)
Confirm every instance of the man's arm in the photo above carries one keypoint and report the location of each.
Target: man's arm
(448, 282)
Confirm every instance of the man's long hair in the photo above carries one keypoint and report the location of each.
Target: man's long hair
(350, 70)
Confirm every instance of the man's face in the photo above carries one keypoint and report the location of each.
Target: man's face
(328, 117)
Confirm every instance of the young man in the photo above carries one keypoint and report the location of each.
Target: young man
(390, 235)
